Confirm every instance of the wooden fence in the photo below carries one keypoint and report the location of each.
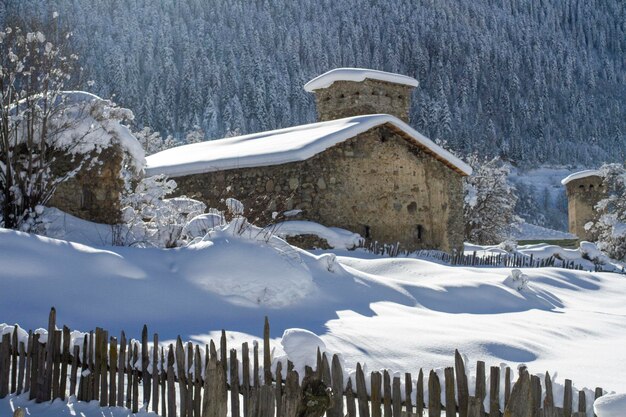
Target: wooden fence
(189, 380)
(509, 260)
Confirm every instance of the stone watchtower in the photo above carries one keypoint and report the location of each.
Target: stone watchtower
(347, 92)
(584, 191)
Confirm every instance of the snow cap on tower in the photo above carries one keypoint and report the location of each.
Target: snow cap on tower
(347, 92)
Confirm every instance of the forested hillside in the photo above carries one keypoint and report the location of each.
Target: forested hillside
(534, 81)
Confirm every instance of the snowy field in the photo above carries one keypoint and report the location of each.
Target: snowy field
(395, 313)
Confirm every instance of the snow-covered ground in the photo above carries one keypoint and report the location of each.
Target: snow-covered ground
(388, 312)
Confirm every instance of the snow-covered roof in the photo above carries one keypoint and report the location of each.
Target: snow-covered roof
(282, 146)
(357, 74)
(580, 174)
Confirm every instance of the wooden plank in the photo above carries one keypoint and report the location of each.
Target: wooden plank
(408, 391)
(481, 386)
(171, 386)
(65, 361)
(279, 389)
(29, 360)
(388, 411)
(146, 378)
(135, 408)
(255, 369)
(461, 384)
(267, 361)
(181, 374)
(90, 374)
(216, 395)
(494, 392)
(267, 400)
(535, 384)
(548, 401)
(361, 392)
(450, 397)
(234, 383)
(5, 352)
(567, 399)
(22, 368)
(74, 371)
(104, 371)
(224, 353)
(474, 407)
(56, 365)
(292, 394)
(396, 397)
(97, 364)
(582, 401)
(112, 371)
(163, 382)
(155, 373)
(507, 386)
(375, 390)
(41, 374)
(434, 395)
(325, 372)
(50, 345)
(82, 387)
(350, 404)
(14, 357)
(121, 368)
(197, 396)
(189, 378)
(245, 385)
(337, 386)
(419, 395)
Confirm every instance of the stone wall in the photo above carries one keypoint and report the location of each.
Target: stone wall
(94, 193)
(582, 195)
(376, 184)
(349, 98)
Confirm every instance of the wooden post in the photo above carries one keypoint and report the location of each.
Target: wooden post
(337, 386)
(82, 387)
(74, 372)
(189, 377)
(267, 361)
(548, 401)
(130, 364)
(234, 383)
(89, 380)
(361, 392)
(245, 386)
(104, 372)
(461, 384)
(597, 394)
(98, 362)
(197, 383)
(494, 392)
(65, 361)
(215, 404)
(21, 372)
(387, 394)
(396, 394)
(507, 386)
(135, 408)
(121, 361)
(171, 387)
(419, 395)
(450, 397)
(164, 383)
(14, 355)
(5, 352)
(434, 395)
(255, 367)
(481, 386)
(145, 362)
(376, 383)
(408, 389)
(112, 371)
(47, 385)
(181, 373)
(535, 384)
(29, 361)
(223, 353)
(567, 399)
(155, 373)
(56, 365)
(350, 405)
(582, 402)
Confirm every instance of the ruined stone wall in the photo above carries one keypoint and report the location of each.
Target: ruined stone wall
(94, 193)
(349, 98)
(582, 195)
(375, 184)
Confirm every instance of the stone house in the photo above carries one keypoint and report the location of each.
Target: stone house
(360, 168)
(584, 190)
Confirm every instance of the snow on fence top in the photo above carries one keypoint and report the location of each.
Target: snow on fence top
(579, 175)
(357, 74)
(282, 146)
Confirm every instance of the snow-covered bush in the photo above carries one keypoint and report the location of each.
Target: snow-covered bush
(610, 228)
(152, 142)
(489, 202)
(152, 219)
(517, 280)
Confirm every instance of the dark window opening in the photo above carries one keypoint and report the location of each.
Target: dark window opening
(87, 198)
(342, 96)
(357, 94)
(581, 186)
(591, 187)
(420, 232)
(368, 233)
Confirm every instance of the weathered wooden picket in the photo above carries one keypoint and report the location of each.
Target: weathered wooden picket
(189, 380)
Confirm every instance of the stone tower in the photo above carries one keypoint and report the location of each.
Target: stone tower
(584, 191)
(347, 92)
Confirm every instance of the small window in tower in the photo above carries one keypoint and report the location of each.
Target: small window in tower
(87, 199)
(357, 94)
(420, 232)
(342, 96)
(368, 233)
(591, 187)
(581, 186)
(400, 97)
